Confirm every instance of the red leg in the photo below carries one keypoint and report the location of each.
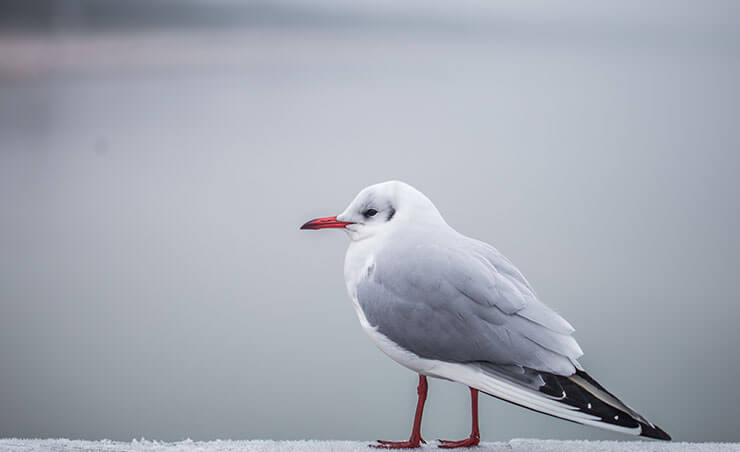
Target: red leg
(474, 438)
(415, 440)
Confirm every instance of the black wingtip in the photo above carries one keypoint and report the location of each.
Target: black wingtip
(648, 430)
(655, 432)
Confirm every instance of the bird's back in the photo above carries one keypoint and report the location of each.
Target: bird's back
(448, 297)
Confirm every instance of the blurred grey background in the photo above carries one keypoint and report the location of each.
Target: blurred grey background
(157, 158)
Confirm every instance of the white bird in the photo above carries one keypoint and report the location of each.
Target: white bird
(448, 306)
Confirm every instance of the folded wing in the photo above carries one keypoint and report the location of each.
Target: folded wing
(463, 304)
(467, 304)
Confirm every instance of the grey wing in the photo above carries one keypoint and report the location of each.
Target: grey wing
(468, 304)
(465, 304)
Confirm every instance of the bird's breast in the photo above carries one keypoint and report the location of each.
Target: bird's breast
(360, 258)
(357, 267)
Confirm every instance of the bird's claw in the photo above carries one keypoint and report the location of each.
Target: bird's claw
(412, 443)
(467, 442)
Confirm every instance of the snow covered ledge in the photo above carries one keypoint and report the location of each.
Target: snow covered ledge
(519, 445)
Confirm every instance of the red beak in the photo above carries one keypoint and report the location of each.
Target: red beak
(325, 223)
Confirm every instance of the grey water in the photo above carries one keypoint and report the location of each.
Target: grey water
(153, 280)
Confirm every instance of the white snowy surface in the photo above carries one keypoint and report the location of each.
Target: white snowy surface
(518, 445)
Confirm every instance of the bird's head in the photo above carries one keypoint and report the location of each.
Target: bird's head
(378, 208)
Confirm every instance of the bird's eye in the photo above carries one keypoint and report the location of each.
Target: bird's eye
(370, 212)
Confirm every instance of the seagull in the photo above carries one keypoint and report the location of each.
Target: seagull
(451, 307)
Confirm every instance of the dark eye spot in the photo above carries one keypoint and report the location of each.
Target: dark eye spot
(391, 213)
(370, 212)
